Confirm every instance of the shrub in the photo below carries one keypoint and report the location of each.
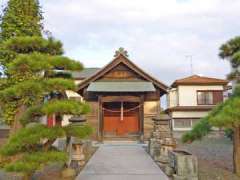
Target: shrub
(201, 129)
(34, 161)
(29, 139)
(78, 131)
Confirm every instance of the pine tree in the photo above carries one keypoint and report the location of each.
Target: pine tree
(31, 78)
(31, 67)
(227, 114)
(21, 18)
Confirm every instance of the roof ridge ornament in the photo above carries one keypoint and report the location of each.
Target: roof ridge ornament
(122, 51)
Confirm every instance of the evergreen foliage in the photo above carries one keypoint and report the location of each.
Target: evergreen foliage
(28, 148)
(21, 18)
(33, 87)
(10, 48)
(65, 107)
(28, 139)
(31, 115)
(199, 130)
(231, 51)
(29, 71)
(26, 45)
(230, 48)
(78, 131)
(31, 162)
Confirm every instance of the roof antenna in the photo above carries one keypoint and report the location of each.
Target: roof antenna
(190, 57)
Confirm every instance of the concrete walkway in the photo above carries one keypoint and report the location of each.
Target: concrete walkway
(121, 162)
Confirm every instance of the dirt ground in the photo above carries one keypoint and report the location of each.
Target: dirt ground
(2, 141)
(214, 158)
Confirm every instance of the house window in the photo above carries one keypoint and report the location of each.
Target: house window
(195, 121)
(182, 123)
(209, 97)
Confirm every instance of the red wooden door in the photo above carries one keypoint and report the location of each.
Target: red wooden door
(114, 124)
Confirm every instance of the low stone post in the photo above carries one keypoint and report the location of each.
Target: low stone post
(184, 164)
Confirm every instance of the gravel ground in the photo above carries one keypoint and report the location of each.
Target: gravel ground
(214, 158)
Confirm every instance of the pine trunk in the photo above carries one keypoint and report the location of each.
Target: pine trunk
(236, 151)
(48, 144)
(16, 124)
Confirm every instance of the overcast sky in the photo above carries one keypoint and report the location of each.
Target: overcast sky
(158, 34)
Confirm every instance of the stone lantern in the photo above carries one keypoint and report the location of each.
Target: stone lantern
(78, 120)
(77, 157)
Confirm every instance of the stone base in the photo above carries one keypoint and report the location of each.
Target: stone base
(69, 173)
(169, 171)
(11, 176)
(162, 165)
(176, 177)
(81, 163)
(162, 159)
(51, 170)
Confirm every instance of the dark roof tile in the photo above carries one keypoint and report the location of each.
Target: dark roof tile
(199, 80)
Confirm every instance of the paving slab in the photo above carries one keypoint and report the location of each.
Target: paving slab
(121, 162)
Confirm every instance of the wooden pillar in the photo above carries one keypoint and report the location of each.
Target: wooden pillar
(141, 118)
(100, 119)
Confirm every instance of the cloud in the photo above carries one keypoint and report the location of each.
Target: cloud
(157, 33)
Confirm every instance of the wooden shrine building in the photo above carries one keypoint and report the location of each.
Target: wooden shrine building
(123, 99)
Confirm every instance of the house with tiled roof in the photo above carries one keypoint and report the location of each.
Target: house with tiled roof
(191, 98)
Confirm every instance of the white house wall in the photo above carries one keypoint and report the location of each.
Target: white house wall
(65, 120)
(189, 114)
(172, 97)
(72, 94)
(187, 95)
(77, 82)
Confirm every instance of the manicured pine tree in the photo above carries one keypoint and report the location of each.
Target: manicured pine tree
(30, 63)
(227, 114)
(31, 77)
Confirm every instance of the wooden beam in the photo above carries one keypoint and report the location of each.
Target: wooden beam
(120, 99)
(100, 119)
(141, 118)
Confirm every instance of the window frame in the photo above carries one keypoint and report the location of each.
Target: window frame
(191, 119)
(206, 91)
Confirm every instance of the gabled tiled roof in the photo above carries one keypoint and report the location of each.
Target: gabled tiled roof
(199, 80)
(116, 61)
(140, 86)
(85, 73)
